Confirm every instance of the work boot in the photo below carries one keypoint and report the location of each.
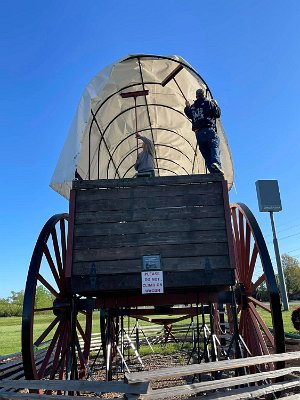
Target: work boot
(216, 168)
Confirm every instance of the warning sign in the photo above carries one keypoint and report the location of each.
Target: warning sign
(152, 282)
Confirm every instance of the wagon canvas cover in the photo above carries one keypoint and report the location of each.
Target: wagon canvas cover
(101, 142)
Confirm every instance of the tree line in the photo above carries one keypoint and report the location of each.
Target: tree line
(291, 270)
(12, 306)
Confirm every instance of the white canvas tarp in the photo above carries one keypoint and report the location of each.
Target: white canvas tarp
(101, 142)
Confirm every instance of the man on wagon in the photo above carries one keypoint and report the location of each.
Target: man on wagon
(203, 113)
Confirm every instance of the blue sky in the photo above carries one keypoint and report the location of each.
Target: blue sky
(246, 50)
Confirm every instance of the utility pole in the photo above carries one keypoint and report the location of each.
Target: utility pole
(268, 197)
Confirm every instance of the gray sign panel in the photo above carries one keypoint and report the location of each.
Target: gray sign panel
(150, 263)
(268, 195)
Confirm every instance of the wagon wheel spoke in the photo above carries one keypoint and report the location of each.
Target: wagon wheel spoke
(250, 267)
(47, 285)
(63, 360)
(242, 246)
(50, 350)
(237, 247)
(260, 339)
(83, 361)
(58, 253)
(86, 333)
(247, 244)
(259, 304)
(263, 326)
(79, 327)
(254, 335)
(44, 309)
(57, 360)
(259, 281)
(46, 332)
(53, 269)
(63, 238)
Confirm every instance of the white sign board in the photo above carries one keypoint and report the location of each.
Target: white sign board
(152, 282)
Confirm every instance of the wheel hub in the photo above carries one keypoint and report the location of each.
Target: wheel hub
(61, 306)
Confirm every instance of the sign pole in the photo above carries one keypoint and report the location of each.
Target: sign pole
(268, 197)
(279, 266)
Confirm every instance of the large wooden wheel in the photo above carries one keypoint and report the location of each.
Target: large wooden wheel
(55, 336)
(254, 268)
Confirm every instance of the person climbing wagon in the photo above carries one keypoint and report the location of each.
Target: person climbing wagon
(145, 160)
(203, 113)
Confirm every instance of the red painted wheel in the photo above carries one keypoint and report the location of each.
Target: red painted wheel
(254, 268)
(55, 336)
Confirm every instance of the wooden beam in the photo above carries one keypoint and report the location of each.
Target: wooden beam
(172, 75)
(195, 388)
(75, 385)
(135, 94)
(165, 373)
(159, 180)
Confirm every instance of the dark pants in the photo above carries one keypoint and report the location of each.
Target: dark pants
(209, 145)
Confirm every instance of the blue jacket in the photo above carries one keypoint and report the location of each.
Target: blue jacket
(203, 113)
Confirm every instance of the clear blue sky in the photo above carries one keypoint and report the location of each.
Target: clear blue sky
(247, 51)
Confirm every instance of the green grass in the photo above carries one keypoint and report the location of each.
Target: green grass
(10, 328)
(10, 335)
(10, 331)
(286, 316)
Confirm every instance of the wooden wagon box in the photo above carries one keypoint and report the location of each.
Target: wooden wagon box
(181, 222)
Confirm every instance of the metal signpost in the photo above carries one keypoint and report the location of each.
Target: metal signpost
(269, 201)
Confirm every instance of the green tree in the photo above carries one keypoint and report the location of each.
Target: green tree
(4, 308)
(263, 292)
(291, 269)
(13, 305)
(16, 298)
(43, 298)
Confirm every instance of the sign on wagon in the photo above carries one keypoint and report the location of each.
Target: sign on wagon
(152, 275)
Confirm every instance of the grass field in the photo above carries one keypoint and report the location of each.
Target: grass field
(10, 328)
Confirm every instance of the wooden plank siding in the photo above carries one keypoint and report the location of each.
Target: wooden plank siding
(181, 218)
